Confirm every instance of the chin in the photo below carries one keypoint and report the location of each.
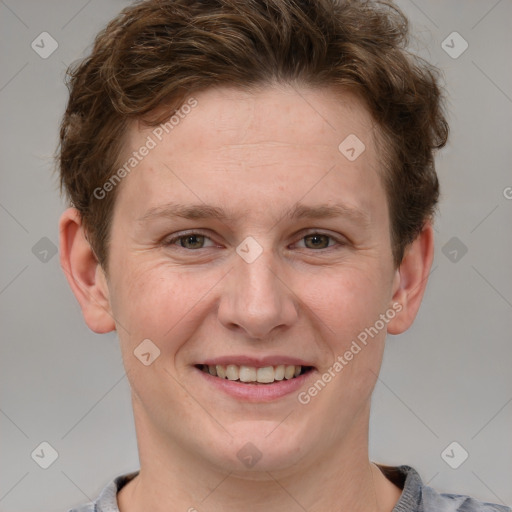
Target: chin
(257, 447)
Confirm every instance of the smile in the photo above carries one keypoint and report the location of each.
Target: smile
(254, 375)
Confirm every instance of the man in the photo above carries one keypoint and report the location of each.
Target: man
(252, 187)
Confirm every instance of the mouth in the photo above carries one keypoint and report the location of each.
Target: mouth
(253, 375)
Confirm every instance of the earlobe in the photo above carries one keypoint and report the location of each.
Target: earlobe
(411, 279)
(84, 274)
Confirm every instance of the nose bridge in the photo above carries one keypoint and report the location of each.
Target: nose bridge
(256, 300)
(260, 282)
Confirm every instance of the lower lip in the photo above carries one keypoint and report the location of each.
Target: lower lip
(257, 392)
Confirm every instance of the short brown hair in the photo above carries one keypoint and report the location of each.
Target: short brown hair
(156, 52)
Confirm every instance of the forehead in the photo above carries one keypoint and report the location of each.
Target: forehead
(234, 116)
(277, 144)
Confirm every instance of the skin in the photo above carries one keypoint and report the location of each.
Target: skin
(257, 154)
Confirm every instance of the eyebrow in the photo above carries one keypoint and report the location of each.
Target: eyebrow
(299, 211)
(191, 212)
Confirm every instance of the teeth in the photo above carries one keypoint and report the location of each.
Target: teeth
(221, 371)
(232, 372)
(279, 372)
(247, 374)
(289, 372)
(265, 375)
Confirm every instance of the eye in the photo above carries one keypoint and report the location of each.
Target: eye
(319, 241)
(190, 241)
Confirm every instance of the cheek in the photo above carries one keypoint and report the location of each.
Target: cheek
(161, 303)
(348, 304)
(347, 301)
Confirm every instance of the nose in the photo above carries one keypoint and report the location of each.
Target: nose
(256, 300)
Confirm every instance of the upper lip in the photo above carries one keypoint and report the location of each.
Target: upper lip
(257, 362)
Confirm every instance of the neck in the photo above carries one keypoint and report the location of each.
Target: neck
(342, 479)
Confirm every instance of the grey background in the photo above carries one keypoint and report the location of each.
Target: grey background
(446, 379)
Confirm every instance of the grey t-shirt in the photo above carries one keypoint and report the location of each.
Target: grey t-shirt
(415, 497)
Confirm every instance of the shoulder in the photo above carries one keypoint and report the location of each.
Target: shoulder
(434, 501)
(107, 500)
(88, 507)
(418, 497)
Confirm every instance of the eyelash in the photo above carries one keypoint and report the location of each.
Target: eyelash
(172, 241)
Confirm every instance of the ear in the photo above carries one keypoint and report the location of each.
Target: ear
(84, 274)
(411, 279)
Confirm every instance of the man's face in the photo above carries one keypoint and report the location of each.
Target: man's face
(274, 281)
